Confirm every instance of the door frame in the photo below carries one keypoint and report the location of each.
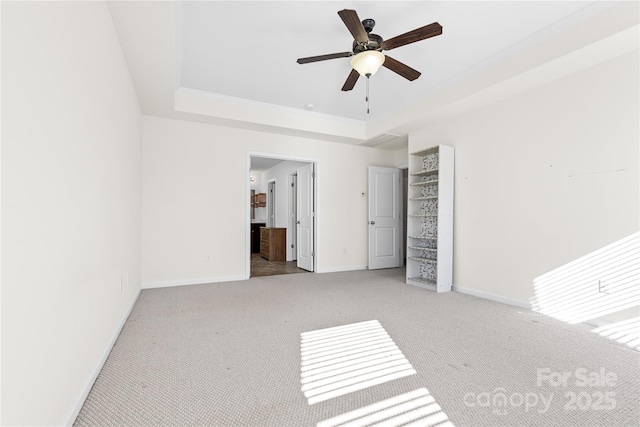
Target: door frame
(404, 214)
(292, 211)
(271, 203)
(316, 185)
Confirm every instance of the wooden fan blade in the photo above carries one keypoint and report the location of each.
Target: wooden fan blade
(351, 20)
(400, 68)
(416, 35)
(324, 57)
(351, 80)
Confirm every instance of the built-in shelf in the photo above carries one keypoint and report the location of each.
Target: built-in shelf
(425, 198)
(422, 280)
(431, 219)
(422, 183)
(422, 248)
(424, 172)
(427, 151)
(422, 259)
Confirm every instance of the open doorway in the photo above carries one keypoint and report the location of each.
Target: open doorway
(282, 232)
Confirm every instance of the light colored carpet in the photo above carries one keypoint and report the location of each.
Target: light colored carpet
(343, 359)
(228, 354)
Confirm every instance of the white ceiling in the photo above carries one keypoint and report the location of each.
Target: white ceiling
(233, 63)
(248, 50)
(261, 164)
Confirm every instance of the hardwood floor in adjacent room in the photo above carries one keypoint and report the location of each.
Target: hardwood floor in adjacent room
(262, 267)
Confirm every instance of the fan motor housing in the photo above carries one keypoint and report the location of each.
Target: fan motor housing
(368, 25)
(374, 43)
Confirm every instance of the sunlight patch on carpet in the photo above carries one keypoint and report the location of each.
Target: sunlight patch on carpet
(626, 332)
(344, 359)
(416, 408)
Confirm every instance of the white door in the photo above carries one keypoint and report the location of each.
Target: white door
(306, 214)
(384, 217)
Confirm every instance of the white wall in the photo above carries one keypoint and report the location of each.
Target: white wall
(195, 199)
(71, 204)
(257, 184)
(543, 178)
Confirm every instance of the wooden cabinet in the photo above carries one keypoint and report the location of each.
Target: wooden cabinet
(273, 243)
(430, 222)
(259, 200)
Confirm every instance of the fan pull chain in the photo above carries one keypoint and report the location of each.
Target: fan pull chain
(367, 96)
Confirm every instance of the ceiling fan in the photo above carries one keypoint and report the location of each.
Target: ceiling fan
(367, 48)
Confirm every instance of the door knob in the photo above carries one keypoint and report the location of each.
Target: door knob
(297, 222)
(373, 222)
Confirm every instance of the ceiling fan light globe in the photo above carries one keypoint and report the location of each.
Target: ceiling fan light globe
(367, 63)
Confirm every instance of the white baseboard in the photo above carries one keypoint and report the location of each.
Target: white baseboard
(492, 297)
(599, 322)
(78, 406)
(187, 282)
(342, 269)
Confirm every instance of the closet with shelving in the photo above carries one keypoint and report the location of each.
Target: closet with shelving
(430, 219)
